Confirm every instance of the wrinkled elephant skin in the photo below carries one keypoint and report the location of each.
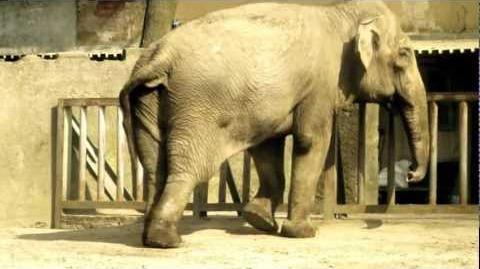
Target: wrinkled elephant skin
(243, 79)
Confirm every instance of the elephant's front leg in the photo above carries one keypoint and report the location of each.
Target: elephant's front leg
(268, 158)
(312, 135)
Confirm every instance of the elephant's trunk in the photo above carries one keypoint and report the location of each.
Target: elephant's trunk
(414, 112)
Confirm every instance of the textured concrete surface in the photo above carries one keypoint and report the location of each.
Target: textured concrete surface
(227, 242)
(30, 89)
(419, 17)
(33, 26)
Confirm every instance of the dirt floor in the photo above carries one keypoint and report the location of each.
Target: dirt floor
(227, 242)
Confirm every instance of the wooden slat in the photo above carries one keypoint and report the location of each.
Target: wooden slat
(120, 159)
(103, 204)
(330, 179)
(82, 151)
(91, 102)
(372, 117)
(67, 151)
(433, 153)
(463, 149)
(346, 209)
(432, 96)
(200, 198)
(231, 185)
(407, 209)
(101, 154)
(452, 96)
(246, 178)
(139, 181)
(92, 165)
(222, 184)
(391, 159)
(362, 160)
(59, 173)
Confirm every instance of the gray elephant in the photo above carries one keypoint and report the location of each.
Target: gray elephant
(243, 79)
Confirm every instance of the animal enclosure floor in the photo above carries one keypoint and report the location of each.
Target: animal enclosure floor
(227, 242)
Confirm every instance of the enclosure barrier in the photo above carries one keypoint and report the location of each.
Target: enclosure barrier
(463, 99)
(110, 191)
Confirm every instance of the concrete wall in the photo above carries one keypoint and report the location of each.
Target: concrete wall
(30, 89)
(417, 17)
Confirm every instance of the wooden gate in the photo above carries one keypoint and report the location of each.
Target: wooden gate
(107, 188)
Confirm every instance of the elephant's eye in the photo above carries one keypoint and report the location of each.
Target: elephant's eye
(405, 52)
(403, 58)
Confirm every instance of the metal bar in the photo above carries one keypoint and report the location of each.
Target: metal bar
(101, 154)
(67, 151)
(391, 159)
(59, 173)
(82, 151)
(120, 160)
(139, 181)
(463, 149)
(433, 153)
(246, 178)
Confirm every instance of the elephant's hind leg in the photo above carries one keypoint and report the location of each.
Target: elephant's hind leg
(192, 159)
(268, 158)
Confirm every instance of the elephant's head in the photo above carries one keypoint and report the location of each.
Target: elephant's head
(390, 73)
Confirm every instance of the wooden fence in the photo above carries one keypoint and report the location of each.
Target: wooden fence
(110, 191)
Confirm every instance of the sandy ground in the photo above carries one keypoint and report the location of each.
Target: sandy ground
(227, 242)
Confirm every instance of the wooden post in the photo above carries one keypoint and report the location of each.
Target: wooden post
(222, 184)
(231, 184)
(433, 153)
(391, 159)
(67, 151)
(120, 160)
(101, 154)
(463, 148)
(59, 166)
(159, 15)
(330, 179)
(371, 164)
(138, 181)
(362, 160)
(200, 199)
(82, 160)
(246, 178)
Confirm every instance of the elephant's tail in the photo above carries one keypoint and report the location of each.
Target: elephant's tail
(140, 78)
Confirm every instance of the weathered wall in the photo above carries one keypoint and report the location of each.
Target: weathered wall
(418, 17)
(30, 27)
(30, 89)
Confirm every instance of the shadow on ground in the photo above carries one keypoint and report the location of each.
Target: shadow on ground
(124, 234)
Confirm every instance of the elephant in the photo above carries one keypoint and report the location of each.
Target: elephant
(244, 78)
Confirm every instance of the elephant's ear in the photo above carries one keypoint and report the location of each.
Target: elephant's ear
(367, 41)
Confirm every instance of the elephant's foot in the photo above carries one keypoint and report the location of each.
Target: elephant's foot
(301, 229)
(161, 234)
(260, 217)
